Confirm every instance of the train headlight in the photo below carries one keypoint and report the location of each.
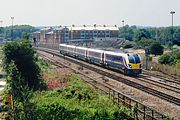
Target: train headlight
(130, 66)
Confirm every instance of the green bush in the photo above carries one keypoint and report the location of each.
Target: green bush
(156, 48)
(178, 64)
(176, 47)
(176, 54)
(170, 58)
(167, 59)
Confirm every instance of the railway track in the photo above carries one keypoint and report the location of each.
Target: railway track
(165, 78)
(159, 83)
(138, 86)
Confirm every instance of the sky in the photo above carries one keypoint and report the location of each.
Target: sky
(89, 12)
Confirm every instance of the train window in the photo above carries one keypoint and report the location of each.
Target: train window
(80, 51)
(116, 58)
(108, 57)
(113, 58)
(94, 54)
(131, 59)
(120, 59)
(137, 59)
(134, 58)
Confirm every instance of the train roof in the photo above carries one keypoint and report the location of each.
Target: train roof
(114, 53)
(72, 46)
(62, 45)
(83, 48)
(95, 50)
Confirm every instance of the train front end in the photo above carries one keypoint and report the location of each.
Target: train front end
(134, 65)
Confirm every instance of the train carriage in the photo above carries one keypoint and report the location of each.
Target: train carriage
(71, 50)
(114, 59)
(63, 49)
(81, 52)
(95, 56)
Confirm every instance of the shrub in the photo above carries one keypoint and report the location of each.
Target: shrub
(178, 64)
(176, 54)
(167, 59)
(156, 48)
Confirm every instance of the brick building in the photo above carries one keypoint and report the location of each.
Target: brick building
(93, 32)
(64, 34)
(44, 36)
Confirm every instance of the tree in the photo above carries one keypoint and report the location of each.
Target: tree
(23, 55)
(145, 42)
(126, 32)
(177, 36)
(18, 31)
(26, 36)
(156, 48)
(141, 33)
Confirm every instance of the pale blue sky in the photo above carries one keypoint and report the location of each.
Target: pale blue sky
(79, 12)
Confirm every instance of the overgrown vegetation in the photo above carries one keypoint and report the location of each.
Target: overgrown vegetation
(24, 58)
(170, 63)
(23, 77)
(171, 58)
(76, 101)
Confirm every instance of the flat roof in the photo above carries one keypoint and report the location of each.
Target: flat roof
(93, 28)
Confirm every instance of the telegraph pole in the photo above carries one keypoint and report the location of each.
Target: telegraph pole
(12, 18)
(122, 23)
(172, 13)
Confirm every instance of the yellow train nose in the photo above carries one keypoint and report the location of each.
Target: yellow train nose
(135, 66)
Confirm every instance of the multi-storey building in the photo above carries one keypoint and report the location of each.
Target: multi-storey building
(44, 36)
(61, 34)
(85, 32)
(93, 32)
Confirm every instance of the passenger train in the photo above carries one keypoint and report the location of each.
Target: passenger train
(129, 63)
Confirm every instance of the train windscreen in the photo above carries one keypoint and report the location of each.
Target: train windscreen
(134, 58)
